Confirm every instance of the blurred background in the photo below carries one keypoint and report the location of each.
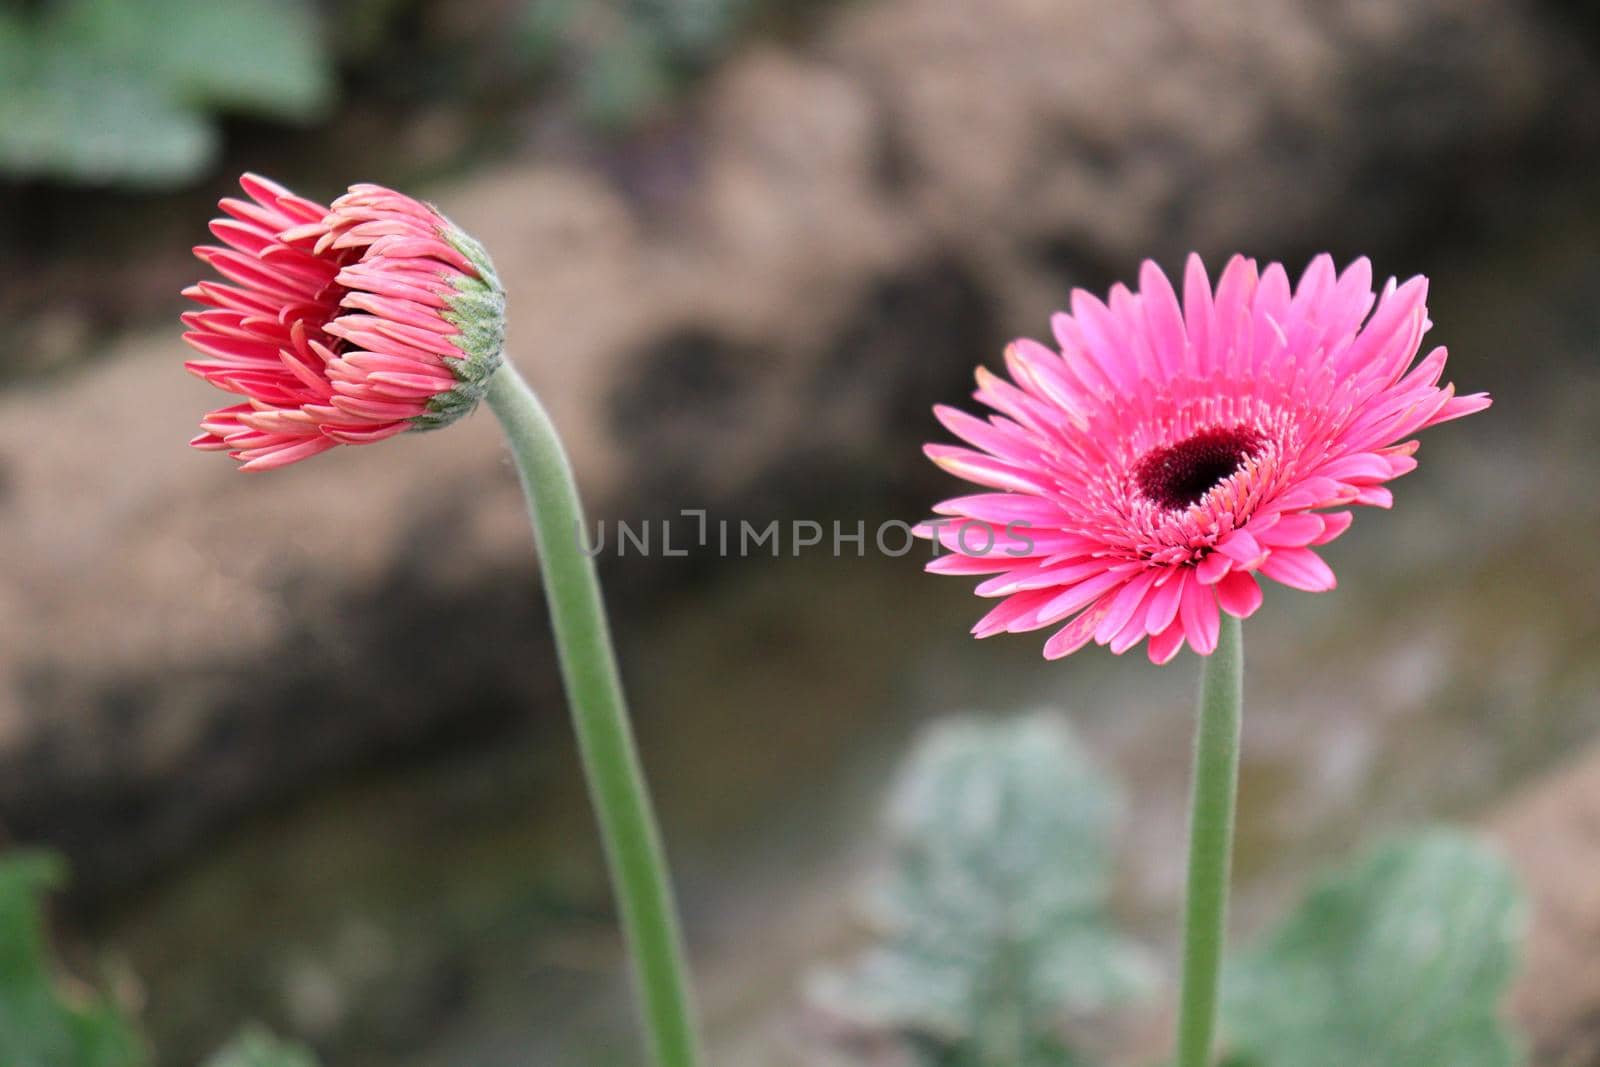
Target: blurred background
(300, 736)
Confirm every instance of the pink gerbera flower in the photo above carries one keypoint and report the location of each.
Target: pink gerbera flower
(1167, 456)
(346, 325)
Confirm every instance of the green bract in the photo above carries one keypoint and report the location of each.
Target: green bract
(478, 311)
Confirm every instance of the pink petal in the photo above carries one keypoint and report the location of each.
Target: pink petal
(1198, 313)
(1080, 596)
(1242, 548)
(1075, 634)
(1335, 523)
(1239, 594)
(1294, 531)
(1124, 605)
(1299, 568)
(1164, 601)
(1201, 621)
(984, 470)
(1013, 614)
(1458, 406)
(1211, 569)
(1165, 645)
(1356, 469)
(1163, 318)
(1375, 496)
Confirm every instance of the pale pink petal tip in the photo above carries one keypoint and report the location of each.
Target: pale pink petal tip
(1182, 443)
(338, 325)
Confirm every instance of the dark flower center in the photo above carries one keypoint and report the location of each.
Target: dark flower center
(1177, 476)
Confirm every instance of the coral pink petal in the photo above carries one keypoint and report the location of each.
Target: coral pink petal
(334, 330)
(275, 456)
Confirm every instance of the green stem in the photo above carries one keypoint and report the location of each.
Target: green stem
(600, 717)
(1216, 780)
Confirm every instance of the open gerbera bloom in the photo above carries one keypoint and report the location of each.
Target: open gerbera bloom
(345, 325)
(1169, 455)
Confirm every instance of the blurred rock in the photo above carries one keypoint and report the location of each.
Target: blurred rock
(1552, 834)
(860, 219)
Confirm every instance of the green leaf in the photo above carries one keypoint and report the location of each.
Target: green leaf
(39, 1027)
(255, 1047)
(262, 57)
(1399, 962)
(994, 918)
(64, 113)
(104, 91)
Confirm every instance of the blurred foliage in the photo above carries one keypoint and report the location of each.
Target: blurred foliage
(40, 1026)
(43, 1026)
(994, 918)
(626, 58)
(129, 92)
(994, 929)
(1400, 960)
(256, 1047)
(125, 91)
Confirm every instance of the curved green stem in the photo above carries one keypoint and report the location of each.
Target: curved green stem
(599, 713)
(1216, 780)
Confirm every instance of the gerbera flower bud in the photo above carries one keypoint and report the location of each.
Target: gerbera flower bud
(1166, 455)
(345, 325)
